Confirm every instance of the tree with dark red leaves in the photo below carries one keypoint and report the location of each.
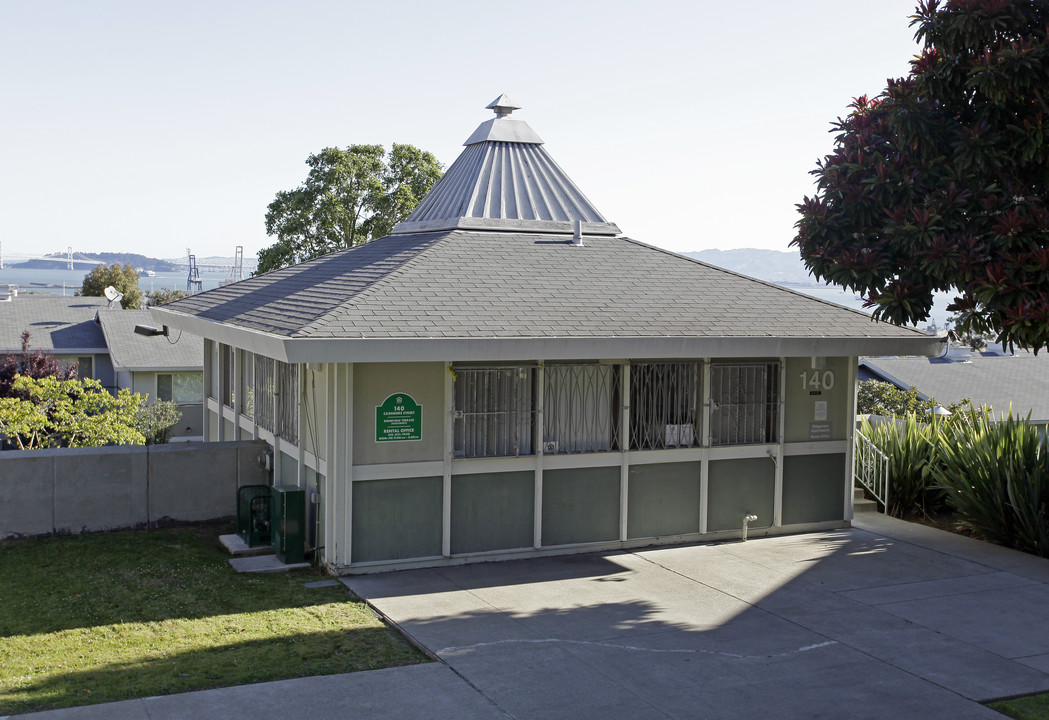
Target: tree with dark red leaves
(32, 363)
(941, 182)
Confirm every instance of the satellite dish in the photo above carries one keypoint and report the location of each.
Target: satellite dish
(113, 294)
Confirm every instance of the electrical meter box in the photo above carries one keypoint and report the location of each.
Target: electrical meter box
(288, 522)
(253, 514)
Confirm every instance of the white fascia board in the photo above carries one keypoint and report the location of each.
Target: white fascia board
(254, 341)
(299, 350)
(162, 369)
(511, 349)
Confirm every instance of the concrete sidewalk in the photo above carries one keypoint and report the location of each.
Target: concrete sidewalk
(884, 620)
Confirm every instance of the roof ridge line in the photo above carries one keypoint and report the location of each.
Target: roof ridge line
(769, 284)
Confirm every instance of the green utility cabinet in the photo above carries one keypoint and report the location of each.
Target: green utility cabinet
(288, 523)
(253, 514)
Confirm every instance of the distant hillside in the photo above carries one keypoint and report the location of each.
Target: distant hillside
(775, 266)
(134, 259)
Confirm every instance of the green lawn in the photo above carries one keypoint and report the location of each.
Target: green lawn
(96, 618)
(1032, 707)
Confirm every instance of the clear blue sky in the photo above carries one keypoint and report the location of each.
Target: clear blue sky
(149, 127)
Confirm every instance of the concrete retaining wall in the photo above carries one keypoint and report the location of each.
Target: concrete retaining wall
(74, 490)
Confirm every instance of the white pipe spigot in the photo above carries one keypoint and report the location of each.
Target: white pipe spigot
(747, 520)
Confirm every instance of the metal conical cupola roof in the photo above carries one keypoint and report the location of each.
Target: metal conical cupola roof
(505, 180)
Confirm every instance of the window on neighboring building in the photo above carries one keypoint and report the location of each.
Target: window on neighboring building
(580, 408)
(85, 367)
(663, 402)
(184, 387)
(744, 403)
(494, 411)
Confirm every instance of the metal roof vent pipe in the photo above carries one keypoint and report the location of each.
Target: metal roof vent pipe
(577, 234)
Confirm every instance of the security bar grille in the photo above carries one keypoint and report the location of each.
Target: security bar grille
(580, 408)
(287, 411)
(744, 403)
(265, 388)
(663, 399)
(494, 411)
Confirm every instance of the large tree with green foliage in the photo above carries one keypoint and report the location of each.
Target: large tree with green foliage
(69, 413)
(940, 182)
(122, 277)
(350, 196)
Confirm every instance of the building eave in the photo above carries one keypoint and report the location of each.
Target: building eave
(444, 349)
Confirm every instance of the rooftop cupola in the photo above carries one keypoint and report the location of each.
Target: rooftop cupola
(506, 181)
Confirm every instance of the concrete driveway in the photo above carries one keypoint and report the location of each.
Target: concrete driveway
(884, 620)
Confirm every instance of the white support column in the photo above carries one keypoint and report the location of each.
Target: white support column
(624, 444)
(449, 452)
(346, 443)
(238, 397)
(704, 464)
(850, 434)
(208, 370)
(333, 467)
(777, 506)
(221, 393)
(537, 511)
(305, 380)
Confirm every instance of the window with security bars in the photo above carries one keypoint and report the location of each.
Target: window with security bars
(226, 368)
(580, 408)
(494, 411)
(276, 397)
(265, 389)
(287, 402)
(663, 401)
(744, 403)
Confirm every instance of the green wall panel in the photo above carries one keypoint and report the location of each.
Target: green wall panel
(492, 511)
(663, 499)
(580, 505)
(396, 519)
(738, 487)
(813, 488)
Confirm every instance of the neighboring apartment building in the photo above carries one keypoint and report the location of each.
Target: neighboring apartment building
(100, 340)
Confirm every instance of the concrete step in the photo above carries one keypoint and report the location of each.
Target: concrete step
(236, 547)
(861, 504)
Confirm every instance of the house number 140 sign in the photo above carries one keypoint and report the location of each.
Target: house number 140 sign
(817, 380)
(398, 418)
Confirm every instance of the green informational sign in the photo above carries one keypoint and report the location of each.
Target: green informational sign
(398, 418)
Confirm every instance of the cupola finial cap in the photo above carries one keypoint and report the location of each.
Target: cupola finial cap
(503, 105)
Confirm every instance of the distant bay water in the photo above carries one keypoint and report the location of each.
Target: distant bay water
(60, 281)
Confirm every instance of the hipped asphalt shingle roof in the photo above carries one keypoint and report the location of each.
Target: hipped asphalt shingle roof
(55, 324)
(464, 284)
(130, 351)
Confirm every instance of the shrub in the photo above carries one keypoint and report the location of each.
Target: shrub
(996, 474)
(156, 420)
(913, 448)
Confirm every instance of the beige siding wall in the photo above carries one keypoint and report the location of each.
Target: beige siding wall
(802, 423)
(372, 384)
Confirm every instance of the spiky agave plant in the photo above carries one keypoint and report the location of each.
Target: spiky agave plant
(912, 446)
(996, 474)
